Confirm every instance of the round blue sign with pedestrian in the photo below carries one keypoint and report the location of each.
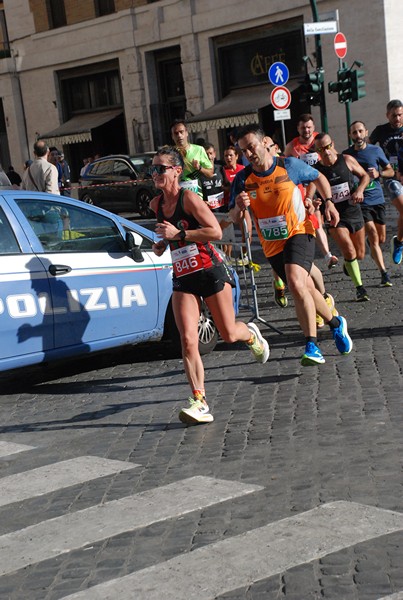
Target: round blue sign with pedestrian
(278, 73)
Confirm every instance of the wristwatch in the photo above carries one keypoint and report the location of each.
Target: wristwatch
(182, 235)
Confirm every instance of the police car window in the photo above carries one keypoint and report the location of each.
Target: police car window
(8, 242)
(64, 228)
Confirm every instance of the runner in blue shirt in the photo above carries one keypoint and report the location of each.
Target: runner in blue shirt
(373, 160)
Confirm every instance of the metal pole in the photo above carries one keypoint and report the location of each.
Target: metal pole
(319, 65)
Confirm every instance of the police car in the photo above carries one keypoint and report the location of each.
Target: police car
(76, 278)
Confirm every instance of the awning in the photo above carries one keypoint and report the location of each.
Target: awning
(79, 128)
(240, 107)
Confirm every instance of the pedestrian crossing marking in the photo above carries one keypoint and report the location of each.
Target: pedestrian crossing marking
(43, 480)
(7, 448)
(219, 568)
(72, 531)
(397, 596)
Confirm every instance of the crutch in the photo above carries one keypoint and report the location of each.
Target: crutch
(255, 306)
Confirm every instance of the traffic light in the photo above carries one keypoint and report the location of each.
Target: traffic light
(313, 86)
(344, 85)
(356, 85)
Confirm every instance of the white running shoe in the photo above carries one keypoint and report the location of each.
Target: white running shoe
(197, 412)
(259, 348)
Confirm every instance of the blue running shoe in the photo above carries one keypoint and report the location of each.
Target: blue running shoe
(312, 356)
(396, 250)
(342, 339)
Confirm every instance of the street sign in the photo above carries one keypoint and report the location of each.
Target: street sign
(319, 28)
(280, 97)
(340, 45)
(282, 115)
(278, 73)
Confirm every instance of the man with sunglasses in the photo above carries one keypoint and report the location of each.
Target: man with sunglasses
(349, 233)
(269, 186)
(196, 162)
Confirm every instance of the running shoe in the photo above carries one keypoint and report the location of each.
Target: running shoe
(197, 412)
(341, 338)
(396, 250)
(319, 321)
(279, 296)
(362, 294)
(259, 347)
(243, 261)
(331, 304)
(332, 262)
(385, 280)
(312, 355)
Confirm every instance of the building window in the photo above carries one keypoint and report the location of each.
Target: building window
(104, 7)
(56, 13)
(95, 91)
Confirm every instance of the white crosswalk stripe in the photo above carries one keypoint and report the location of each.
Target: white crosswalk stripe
(227, 565)
(72, 531)
(216, 569)
(56, 476)
(8, 448)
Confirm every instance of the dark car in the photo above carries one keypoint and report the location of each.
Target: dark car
(119, 183)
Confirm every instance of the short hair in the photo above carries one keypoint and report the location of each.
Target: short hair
(252, 128)
(174, 156)
(305, 117)
(208, 146)
(230, 147)
(321, 135)
(40, 148)
(393, 104)
(178, 122)
(358, 121)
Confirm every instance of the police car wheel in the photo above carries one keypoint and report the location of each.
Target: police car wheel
(143, 204)
(87, 199)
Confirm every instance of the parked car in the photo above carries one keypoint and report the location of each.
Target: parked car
(119, 183)
(77, 279)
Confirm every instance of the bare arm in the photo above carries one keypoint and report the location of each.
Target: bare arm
(359, 171)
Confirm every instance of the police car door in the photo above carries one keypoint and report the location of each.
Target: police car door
(26, 328)
(100, 295)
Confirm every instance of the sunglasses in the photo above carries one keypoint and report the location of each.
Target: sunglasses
(325, 147)
(159, 169)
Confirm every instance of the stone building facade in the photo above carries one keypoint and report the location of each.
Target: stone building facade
(109, 75)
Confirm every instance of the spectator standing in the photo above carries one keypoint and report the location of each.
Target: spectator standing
(14, 177)
(390, 138)
(41, 175)
(66, 178)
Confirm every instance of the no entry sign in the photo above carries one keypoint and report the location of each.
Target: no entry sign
(340, 45)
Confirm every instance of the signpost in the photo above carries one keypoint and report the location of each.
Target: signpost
(280, 99)
(320, 28)
(278, 73)
(340, 45)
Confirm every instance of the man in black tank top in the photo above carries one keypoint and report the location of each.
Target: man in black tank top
(349, 234)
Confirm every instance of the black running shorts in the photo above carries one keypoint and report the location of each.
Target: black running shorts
(350, 216)
(298, 250)
(375, 213)
(204, 283)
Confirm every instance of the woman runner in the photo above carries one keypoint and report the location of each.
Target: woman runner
(186, 225)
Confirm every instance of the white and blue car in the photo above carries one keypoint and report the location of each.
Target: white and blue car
(76, 279)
